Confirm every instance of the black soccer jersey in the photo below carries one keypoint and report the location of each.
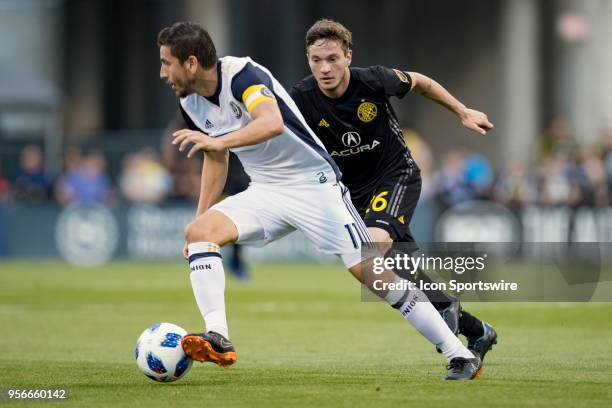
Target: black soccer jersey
(360, 129)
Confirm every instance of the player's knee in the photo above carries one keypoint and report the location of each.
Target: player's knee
(210, 228)
(201, 230)
(380, 235)
(382, 239)
(190, 232)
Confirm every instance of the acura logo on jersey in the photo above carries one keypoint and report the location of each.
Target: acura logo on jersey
(351, 139)
(355, 150)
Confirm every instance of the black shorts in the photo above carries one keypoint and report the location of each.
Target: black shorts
(237, 180)
(392, 205)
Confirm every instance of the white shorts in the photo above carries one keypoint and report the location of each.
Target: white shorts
(264, 213)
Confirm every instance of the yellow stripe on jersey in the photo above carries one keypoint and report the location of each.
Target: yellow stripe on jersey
(254, 95)
(247, 92)
(257, 101)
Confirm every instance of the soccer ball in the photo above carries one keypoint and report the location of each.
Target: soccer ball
(159, 354)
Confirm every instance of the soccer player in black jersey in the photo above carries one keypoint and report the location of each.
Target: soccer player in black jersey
(349, 109)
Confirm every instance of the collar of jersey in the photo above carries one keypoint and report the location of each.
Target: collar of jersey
(215, 97)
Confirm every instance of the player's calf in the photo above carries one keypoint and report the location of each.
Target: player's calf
(415, 307)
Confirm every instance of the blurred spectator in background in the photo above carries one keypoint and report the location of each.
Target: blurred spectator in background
(143, 178)
(586, 176)
(463, 176)
(32, 184)
(606, 156)
(552, 183)
(588, 181)
(85, 181)
(72, 162)
(478, 176)
(451, 186)
(4, 187)
(426, 210)
(596, 172)
(421, 152)
(515, 188)
(557, 138)
(580, 190)
(72, 158)
(4, 197)
(185, 173)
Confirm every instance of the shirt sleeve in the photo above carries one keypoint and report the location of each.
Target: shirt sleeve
(252, 86)
(392, 81)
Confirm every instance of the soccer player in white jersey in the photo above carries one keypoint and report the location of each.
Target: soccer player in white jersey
(236, 104)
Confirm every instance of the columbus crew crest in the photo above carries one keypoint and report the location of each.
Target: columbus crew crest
(367, 111)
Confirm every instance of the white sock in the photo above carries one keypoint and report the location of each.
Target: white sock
(208, 283)
(418, 310)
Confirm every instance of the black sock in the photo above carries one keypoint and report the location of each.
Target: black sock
(470, 326)
(438, 299)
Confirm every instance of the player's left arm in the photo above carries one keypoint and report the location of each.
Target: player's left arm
(267, 123)
(470, 118)
(252, 86)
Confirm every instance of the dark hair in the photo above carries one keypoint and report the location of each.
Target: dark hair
(186, 39)
(326, 29)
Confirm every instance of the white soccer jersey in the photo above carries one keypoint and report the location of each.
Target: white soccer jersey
(297, 156)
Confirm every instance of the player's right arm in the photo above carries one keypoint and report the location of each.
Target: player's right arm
(394, 82)
(470, 118)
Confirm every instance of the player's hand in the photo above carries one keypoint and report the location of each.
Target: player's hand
(476, 121)
(200, 141)
(185, 251)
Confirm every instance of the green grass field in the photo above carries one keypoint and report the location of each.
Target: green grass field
(303, 338)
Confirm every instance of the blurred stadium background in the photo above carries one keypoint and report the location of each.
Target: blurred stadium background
(87, 177)
(84, 119)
